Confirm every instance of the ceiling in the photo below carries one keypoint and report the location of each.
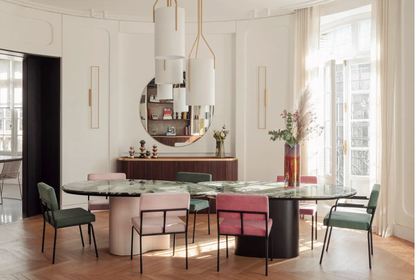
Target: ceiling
(141, 10)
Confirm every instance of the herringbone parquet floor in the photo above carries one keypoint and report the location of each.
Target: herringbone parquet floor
(21, 257)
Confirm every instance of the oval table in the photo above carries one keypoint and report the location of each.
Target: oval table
(124, 204)
(283, 209)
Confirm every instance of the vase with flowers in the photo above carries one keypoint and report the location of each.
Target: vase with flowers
(299, 126)
(220, 136)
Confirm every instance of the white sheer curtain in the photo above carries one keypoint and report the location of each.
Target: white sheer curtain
(386, 61)
(307, 38)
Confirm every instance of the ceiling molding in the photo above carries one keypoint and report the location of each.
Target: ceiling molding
(305, 4)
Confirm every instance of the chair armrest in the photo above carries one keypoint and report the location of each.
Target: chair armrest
(358, 197)
(351, 205)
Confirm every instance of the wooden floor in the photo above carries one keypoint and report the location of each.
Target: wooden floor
(21, 257)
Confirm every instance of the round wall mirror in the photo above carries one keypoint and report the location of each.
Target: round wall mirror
(168, 120)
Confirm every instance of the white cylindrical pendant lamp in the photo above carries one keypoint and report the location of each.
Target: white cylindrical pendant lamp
(169, 71)
(169, 42)
(179, 100)
(165, 91)
(201, 80)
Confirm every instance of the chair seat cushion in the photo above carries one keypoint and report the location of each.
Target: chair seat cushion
(251, 227)
(308, 208)
(73, 217)
(348, 220)
(98, 204)
(155, 224)
(198, 204)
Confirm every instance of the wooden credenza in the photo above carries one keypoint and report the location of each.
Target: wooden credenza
(166, 168)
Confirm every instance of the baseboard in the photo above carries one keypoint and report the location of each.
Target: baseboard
(403, 232)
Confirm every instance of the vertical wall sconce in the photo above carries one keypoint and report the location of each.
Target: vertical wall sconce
(94, 97)
(262, 97)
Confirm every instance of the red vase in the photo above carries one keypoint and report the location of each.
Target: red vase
(292, 166)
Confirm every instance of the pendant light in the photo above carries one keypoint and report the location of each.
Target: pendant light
(165, 91)
(169, 31)
(169, 71)
(179, 100)
(201, 71)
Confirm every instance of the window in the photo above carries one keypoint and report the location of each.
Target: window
(344, 159)
(11, 111)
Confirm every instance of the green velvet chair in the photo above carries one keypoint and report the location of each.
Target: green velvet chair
(196, 204)
(350, 220)
(62, 218)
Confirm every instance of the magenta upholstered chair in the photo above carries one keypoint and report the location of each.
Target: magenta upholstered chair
(307, 208)
(243, 215)
(102, 204)
(159, 214)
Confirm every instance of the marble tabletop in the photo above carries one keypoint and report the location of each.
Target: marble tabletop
(134, 187)
(276, 190)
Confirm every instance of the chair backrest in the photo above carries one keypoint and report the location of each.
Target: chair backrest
(159, 201)
(304, 179)
(373, 199)
(11, 169)
(242, 202)
(49, 203)
(193, 177)
(106, 176)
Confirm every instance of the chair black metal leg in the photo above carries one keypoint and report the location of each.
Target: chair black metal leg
(82, 237)
(272, 248)
(174, 243)
(227, 255)
(316, 219)
(54, 246)
(89, 233)
(324, 244)
(218, 252)
(43, 238)
(312, 231)
(266, 256)
(194, 228)
(141, 254)
(209, 218)
(20, 188)
(1, 192)
(187, 254)
(132, 242)
(328, 241)
(371, 240)
(95, 243)
(368, 248)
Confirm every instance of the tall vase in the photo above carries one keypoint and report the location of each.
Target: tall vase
(220, 149)
(292, 166)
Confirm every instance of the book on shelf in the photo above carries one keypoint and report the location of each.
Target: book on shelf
(167, 114)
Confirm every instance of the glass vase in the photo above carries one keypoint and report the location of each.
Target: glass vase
(292, 166)
(220, 149)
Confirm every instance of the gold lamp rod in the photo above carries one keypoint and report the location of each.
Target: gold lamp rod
(168, 5)
(200, 33)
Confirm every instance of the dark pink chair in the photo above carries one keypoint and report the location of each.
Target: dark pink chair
(307, 208)
(102, 204)
(243, 215)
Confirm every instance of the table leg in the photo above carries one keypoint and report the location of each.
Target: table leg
(285, 233)
(120, 213)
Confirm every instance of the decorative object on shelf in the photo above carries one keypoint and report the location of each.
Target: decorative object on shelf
(94, 97)
(300, 126)
(201, 71)
(167, 114)
(131, 152)
(171, 130)
(264, 101)
(154, 98)
(220, 137)
(169, 31)
(154, 151)
(148, 154)
(142, 148)
(154, 117)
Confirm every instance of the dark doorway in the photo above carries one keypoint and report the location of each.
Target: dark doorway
(41, 128)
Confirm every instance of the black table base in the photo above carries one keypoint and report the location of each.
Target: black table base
(285, 233)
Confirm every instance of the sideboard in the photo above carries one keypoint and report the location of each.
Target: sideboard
(166, 168)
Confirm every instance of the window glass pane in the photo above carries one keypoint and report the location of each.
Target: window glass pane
(7, 113)
(18, 97)
(364, 35)
(17, 69)
(4, 97)
(7, 143)
(340, 41)
(360, 134)
(1, 143)
(360, 106)
(360, 163)
(8, 127)
(360, 77)
(19, 144)
(4, 69)
(327, 161)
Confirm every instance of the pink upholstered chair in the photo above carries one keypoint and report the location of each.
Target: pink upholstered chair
(244, 215)
(307, 208)
(159, 214)
(102, 204)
